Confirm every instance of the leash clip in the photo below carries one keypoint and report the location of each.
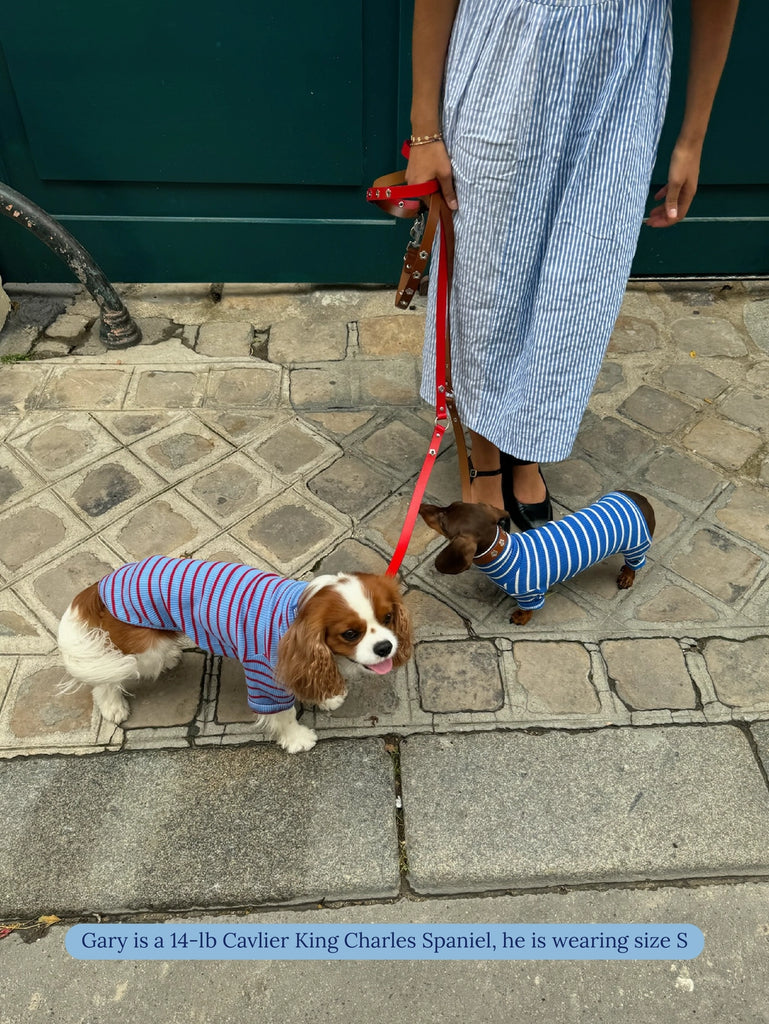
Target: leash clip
(417, 229)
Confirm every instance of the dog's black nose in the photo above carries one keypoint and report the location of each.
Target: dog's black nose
(383, 648)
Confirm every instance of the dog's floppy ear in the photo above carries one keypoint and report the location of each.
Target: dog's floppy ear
(305, 666)
(458, 555)
(401, 626)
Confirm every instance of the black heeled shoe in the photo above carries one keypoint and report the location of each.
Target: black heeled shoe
(504, 522)
(526, 516)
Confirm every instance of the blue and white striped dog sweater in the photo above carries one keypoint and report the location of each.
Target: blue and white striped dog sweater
(530, 563)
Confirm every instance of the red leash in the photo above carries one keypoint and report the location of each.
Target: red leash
(394, 196)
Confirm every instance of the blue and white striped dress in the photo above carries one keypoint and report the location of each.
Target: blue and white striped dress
(225, 607)
(532, 562)
(552, 112)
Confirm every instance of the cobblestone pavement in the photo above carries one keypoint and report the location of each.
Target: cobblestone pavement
(281, 426)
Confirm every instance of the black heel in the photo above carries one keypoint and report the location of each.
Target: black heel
(525, 516)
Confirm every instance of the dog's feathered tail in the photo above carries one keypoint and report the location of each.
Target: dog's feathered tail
(90, 657)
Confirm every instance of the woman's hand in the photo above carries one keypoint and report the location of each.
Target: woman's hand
(683, 177)
(432, 161)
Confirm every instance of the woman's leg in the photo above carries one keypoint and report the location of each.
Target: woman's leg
(528, 485)
(485, 456)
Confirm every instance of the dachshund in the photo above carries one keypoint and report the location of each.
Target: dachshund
(526, 565)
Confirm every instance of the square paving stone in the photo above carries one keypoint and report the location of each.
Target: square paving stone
(431, 617)
(694, 381)
(674, 604)
(707, 336)
(37, 529)
(132, 426)
(351, 556)
(57, 584)
(182, 449)
(555, 678)
(232, 701)
(632, 334)
(747, 407)
(218, 339)
(20, 387)
(385, 523)
(84, 388)
(230, 489)
(288, 532)
(575, 483)
(167, 525)
(249, 387)
(747, 514)
(391, 335)
(721, 442)
(311, 827)
(739, 670)
(300, 341)
(610, 376)
(612, 443)
(64, 445)
(110, 488)
(488, 811)
(459, 676)
(35, 715)
(684, 477)
(656, 410)
(354, 487)
(16, 480)
(649, 674)
(292, 451)
(719, 565)
(398, 446)
(167, 389)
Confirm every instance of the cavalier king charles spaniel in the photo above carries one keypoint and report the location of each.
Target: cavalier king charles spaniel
(292, 637)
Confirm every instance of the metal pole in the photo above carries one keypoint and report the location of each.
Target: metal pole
(118, 329)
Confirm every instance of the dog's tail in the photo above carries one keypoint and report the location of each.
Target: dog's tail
(645, 508)
(90, 657)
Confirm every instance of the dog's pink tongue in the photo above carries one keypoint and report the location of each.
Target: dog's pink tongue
(383, 667)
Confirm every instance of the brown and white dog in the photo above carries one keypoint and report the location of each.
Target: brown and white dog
(292, 637)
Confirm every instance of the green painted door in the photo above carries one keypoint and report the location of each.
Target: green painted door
(181, 141)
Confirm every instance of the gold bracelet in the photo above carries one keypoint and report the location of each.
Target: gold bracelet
(424, 140)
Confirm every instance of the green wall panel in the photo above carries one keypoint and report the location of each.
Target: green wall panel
(181, 142)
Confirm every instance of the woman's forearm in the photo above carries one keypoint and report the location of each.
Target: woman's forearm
(712, 22)
(433, 20)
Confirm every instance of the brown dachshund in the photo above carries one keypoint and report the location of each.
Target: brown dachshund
(526, 565)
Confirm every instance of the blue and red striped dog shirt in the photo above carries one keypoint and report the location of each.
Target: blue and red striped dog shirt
(226, 608)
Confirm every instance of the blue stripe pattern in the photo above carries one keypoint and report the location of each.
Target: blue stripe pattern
(552, 112)
(534, 561)
(227, 608)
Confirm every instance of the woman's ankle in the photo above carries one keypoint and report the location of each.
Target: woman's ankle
(528, 485)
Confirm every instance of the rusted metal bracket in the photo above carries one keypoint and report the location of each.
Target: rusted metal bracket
(118, 329)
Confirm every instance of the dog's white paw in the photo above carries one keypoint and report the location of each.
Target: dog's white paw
(333, 702)
(297, 739)
(113, 706)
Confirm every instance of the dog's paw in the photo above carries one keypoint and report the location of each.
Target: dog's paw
(297, 739)
(521, 616)
(626, 578)
(333, 702)
(114, 708)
